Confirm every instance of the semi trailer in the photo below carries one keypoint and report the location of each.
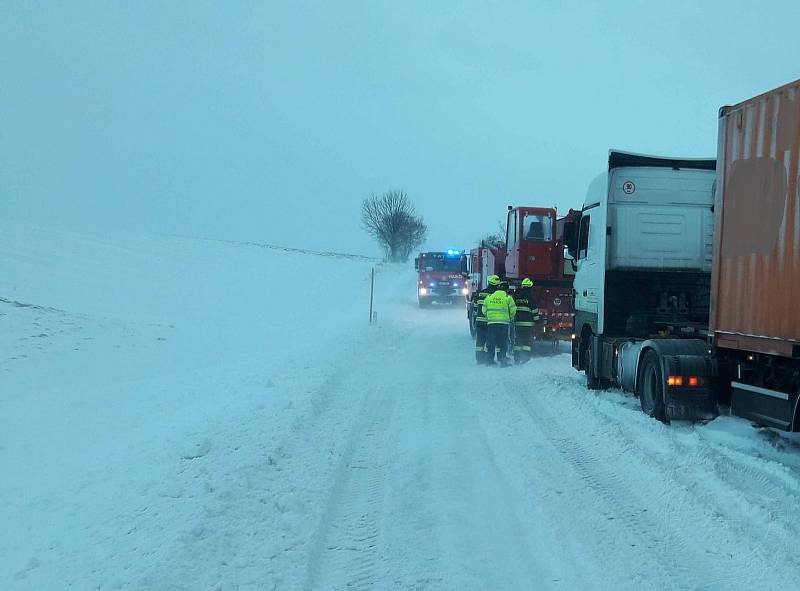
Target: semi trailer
(686, 271)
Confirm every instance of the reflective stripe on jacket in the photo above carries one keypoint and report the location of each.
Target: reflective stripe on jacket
(499, 308)
(478, 303)
(527, 310)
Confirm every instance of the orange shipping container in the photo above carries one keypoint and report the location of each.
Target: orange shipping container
(756, 274)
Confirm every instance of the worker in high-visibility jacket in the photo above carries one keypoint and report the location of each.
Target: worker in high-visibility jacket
(499, 309)
(524, 321)
(481, 357)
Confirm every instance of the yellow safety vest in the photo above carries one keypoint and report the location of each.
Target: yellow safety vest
(499, 308)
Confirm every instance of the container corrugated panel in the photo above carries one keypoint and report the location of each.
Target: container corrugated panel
(756, 275)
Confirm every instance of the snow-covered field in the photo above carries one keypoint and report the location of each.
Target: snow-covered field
(186, 414)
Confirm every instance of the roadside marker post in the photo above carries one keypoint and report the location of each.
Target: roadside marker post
(371, 295)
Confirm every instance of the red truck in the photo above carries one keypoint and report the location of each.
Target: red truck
(441, 277)
(534, 248)
(485, 260)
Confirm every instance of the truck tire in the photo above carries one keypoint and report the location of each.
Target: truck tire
(651, 387)
(593, 382)
(424, 303)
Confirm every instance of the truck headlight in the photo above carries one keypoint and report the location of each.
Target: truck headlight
(464, 291)
(423, 291)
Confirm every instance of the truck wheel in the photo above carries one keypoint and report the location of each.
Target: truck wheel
(593, 382)
(424, 303)
(576, 353)
(651, 387)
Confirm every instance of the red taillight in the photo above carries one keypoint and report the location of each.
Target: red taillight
(678, 381)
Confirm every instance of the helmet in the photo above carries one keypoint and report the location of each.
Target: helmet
(494, 280)
(527, 282)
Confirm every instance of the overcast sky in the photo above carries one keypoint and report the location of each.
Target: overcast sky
(271, 121)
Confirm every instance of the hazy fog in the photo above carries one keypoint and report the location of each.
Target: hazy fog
(271, 121)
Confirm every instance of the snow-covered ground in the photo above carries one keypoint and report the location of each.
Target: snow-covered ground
(187, 414)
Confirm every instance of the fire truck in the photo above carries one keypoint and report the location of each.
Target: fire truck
(442, 277)
(534, 248)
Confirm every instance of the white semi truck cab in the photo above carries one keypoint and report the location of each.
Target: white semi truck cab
(642, 252)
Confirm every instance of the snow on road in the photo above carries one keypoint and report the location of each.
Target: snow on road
(271, 450)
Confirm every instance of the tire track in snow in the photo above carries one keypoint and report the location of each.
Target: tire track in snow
(672, 526)
(633, 515)
(347, 551)
(412, 546)
(751, 498)
(521, 547)
(270, 495)
(539, 472)
(482, 527)
(265, 497)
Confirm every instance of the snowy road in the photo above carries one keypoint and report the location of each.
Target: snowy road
(443, 475)
(414, 469)
(364, 458)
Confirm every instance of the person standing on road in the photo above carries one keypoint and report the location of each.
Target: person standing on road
(499, 309)
(524, 321)
(504, 287)
(481, 357)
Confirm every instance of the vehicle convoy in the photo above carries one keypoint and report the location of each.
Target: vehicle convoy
(684, 296)
(442, 277)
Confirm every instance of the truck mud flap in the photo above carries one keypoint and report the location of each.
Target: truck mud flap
(700, 407)
(690, 393)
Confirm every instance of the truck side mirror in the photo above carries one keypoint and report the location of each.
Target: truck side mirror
(571, 238)
(416, 264)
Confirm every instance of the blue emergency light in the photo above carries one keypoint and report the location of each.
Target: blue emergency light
(451, 252)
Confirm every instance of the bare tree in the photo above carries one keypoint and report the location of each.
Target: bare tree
(497, 239)
(392, 220)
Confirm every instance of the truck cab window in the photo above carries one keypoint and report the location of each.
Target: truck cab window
(537, 228)
(583, 237)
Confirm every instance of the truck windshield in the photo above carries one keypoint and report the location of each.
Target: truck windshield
(440, 262)
(537, 228)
